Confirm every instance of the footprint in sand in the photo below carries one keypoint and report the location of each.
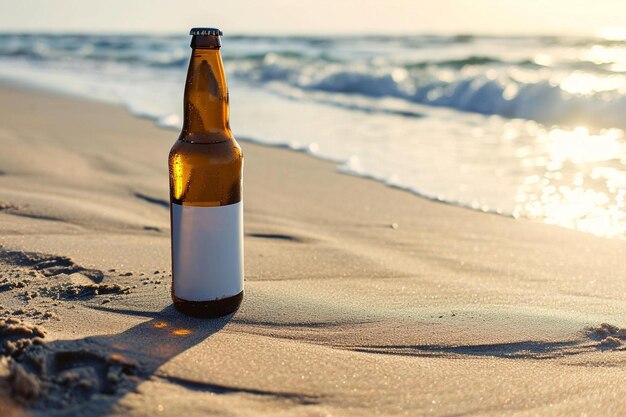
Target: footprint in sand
(48, 265)
(60, 373)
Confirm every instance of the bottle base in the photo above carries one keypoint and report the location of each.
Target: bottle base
(208, 309)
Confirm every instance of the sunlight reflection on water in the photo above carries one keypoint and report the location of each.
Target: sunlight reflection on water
(582, 186)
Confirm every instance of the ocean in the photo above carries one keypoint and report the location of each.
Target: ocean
(529, 127)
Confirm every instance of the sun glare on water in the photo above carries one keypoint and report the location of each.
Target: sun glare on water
(582, 186)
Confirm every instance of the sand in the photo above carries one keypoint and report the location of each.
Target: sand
(360, 299)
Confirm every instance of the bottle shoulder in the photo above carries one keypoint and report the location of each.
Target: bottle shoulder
(224, 151)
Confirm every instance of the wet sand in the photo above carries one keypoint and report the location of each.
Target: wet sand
(360, 299)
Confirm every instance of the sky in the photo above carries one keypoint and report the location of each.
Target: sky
(568, 17)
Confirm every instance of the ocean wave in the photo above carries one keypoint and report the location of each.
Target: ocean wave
(504, 76)
(504, 90)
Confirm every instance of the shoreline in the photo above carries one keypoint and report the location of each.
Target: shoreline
(452, 311)
(337, 164)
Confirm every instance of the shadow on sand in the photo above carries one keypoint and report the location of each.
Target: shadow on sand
(89, 376)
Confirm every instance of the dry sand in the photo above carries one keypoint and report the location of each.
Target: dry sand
(451, 312)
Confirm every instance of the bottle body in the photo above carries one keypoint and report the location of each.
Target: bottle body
(206, 207)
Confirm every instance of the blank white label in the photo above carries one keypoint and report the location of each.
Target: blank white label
(207, 251)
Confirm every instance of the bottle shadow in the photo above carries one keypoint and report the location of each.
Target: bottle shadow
(89, 376)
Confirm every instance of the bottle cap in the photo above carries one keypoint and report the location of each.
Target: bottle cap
(205, 32)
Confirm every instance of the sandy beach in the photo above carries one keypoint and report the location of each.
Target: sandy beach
(360, 299)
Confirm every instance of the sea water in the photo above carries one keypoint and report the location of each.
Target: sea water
(522, 126)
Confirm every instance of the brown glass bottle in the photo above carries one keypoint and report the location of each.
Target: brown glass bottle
(205, 169)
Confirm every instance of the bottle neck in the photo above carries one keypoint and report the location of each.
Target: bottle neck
(206, 111)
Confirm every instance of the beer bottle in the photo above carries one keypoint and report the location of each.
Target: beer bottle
(206, 211)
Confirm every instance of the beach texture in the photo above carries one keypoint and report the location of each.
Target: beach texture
(360, 299)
